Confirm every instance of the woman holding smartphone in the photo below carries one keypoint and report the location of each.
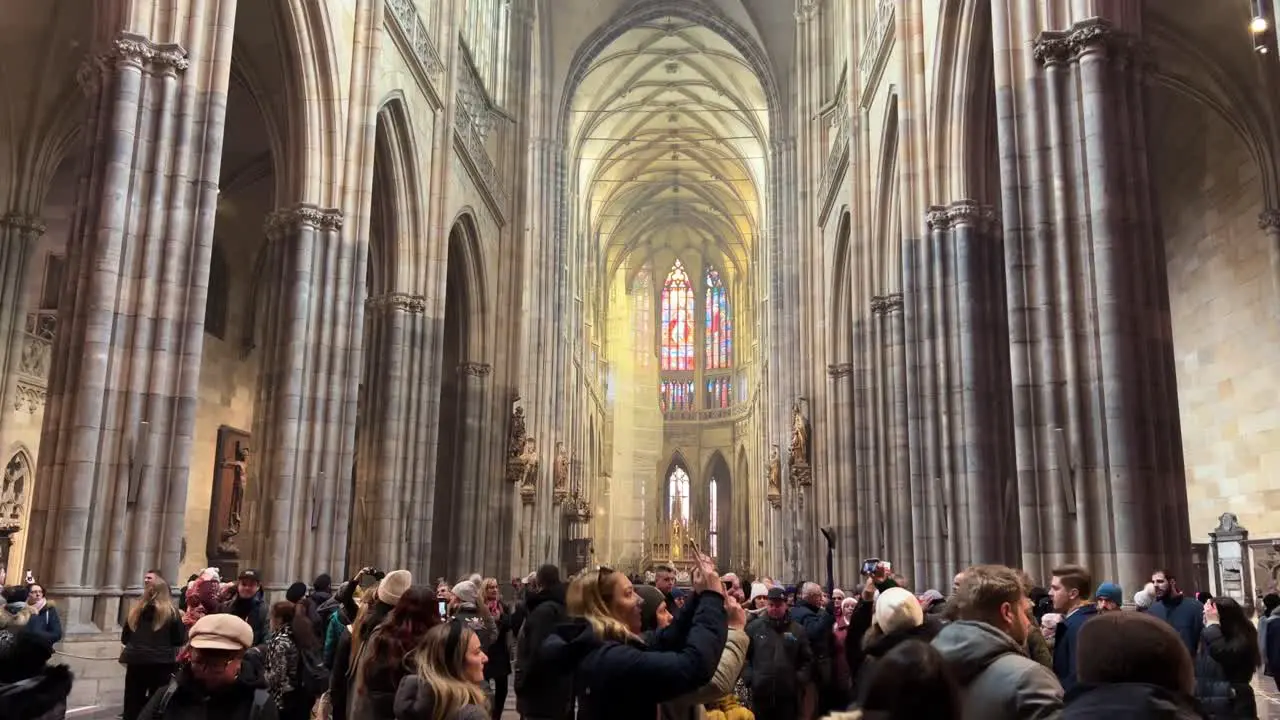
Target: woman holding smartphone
(617, 674)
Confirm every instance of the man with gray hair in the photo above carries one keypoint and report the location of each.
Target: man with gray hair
(818, 621)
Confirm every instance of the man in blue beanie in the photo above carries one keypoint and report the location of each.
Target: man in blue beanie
(1109, 597)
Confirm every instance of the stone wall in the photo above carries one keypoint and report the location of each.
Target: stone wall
(1223, 303)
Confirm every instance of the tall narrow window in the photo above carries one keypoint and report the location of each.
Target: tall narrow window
(677, 395)
(642, 318)
(52, 282)
(718, 393)
(215, 307)
(714, 520)
(678, 496)
(677, 320)
(719, 331)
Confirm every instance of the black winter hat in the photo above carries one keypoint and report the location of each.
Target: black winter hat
(296, 592)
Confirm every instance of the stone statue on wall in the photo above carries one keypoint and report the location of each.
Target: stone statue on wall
(775, 477)
(560, 477)
(518, 433)
(240, 466)
(526, 466)
(799, 437)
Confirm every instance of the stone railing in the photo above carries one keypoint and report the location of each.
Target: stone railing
(837, 156)
(875, 48)
(472, 143)
(413, 32)
(735, 412)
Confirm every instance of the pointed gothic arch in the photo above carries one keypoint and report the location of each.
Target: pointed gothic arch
(676, 463)
(462, 367)
(717, 489)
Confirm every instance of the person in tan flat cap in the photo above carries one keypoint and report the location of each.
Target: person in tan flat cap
(215, 682)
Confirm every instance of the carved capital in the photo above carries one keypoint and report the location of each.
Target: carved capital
(24, 224)
(282, 222)
(133, 50)
(399, 302)
(170, 58)
(892, 303)
(1051, 48)
(968, 212)
(475, 369)
(1093, 35)
(1269, 220)
(840, 370)
(936, 218)
(806, 11)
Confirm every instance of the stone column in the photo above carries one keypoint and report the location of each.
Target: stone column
(841, 476)
(959, 326)
(19, 234)
(304, 415)
(471, 499)
(115, 446)
(392, 502)
(1269, 223)
(1099, 448)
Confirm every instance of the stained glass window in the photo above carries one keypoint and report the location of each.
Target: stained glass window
(677, 395)
(719, 393)
(677, 320)
(715, 520)
(642, 317)
(719, 330)
(678, 496)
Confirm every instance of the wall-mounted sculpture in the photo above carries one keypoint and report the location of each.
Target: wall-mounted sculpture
(775, 477)
(227, 506)
(801, 473)
(560, 477)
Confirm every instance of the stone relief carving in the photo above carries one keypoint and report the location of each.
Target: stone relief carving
(1228, 523)
(29, 398)
(475, 369)
(518, 432)
(560, 476)
(13, 493)
(775, 477)
(400, 302)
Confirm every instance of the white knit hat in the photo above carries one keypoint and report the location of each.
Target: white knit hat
(1145, 597)
(395, 584)
(757, 590)
(897, 609)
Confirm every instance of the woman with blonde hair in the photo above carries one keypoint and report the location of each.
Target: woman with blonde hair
(448, 678)
(618, 674)
(152, 635)
(498, 669)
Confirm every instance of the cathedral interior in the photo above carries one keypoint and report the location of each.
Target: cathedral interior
(456, 285)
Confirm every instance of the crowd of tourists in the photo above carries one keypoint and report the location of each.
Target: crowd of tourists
(609, 646)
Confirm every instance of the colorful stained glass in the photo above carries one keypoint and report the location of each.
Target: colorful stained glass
(677, 395)
(642, 317)
(677, 320)
(715, 519)
(678, 496)
(719, 338)
(719, 393)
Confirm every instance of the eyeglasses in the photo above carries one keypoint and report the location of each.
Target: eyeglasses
(211, 663)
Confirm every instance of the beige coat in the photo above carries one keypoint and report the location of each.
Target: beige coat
(732, 659)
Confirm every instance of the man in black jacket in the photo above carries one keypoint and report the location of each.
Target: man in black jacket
(778, 662)
(542, 692)
(819, 622)
(248, 605)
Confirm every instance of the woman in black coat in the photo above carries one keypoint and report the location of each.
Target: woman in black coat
(1226, 661)
(617, 675)
(152, 635)
(498, 668)
(896, 618)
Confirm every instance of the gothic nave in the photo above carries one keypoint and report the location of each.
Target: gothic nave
(457, 284)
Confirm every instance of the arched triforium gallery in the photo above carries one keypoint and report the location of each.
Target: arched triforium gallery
(478, 284)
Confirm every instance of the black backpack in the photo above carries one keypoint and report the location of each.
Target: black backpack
(312, 676)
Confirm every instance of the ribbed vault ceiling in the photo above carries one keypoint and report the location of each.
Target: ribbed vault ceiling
(669, 130)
